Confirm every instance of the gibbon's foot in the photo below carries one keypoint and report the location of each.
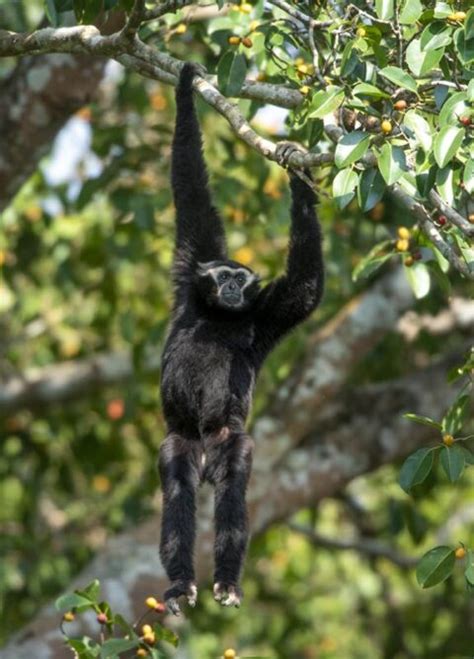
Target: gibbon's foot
(284, 151)
(227, 594)
(179, 589)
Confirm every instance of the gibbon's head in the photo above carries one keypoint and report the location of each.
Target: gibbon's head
(227, 285)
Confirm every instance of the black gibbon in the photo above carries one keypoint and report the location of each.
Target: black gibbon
(223, 326)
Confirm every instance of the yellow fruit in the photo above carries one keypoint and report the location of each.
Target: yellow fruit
(151, 602)
(298, 61)
(304, 90)
(460, 552)
(181, 28)
(246, 8)
(448, 440)
(402, 245)
(302, 68)
(386, 126)
(247, 42)
(254, 25)
(234, 41)
(457, 16)
(471, 218)
(146, 629)
(403, 232)
(101, 484)
(361, 32)
(230, 654)
(149, 638)
(409, 261)
(68, 616)
(141, 652)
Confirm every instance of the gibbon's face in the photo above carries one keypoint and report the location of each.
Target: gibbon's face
(228, 285)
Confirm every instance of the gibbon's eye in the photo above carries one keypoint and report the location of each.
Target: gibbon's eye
(241, 280)
(223, 276)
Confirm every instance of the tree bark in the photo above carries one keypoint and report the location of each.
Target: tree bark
(37, 99)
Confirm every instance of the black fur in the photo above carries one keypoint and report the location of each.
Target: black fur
(211, 360)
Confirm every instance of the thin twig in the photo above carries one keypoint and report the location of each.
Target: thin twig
(453, 216)
(134, 20)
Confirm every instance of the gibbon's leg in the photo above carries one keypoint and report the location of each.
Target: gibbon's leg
(228, 466)
(179, 462)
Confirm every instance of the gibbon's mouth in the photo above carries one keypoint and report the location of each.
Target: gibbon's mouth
(232, 299)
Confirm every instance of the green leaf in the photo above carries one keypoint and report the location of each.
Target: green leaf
(71, 601)
(424, 420)
(231, 72)
(391, 162)
(464, 46)
(384, 9)
(51, 12)
(421, 62)
(454, 418)
(418, 277)
(411, 11)
(468, 455)
(453, 108)
(85, 647)
(91, 591)
(365, 89)
(470, 87)
(420, 127)
(350, 148)
(445, 184)
(416, 468)
(436, 35)
(435, 566)
(446, 144)
(469, 571)
(452, 461)
(399, 78)
(443, 10)
(469, 24)
(325, 102)
(371, 189)
(165, 634)
(343, 186)
(113, 646)
(374, 259)
(468, 177)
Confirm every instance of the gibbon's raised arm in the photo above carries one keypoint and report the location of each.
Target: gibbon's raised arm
(199, 232)
(292, 297)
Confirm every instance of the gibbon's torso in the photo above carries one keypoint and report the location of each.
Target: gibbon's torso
(208, 374)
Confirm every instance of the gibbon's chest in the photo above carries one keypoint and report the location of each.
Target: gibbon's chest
(209, 351)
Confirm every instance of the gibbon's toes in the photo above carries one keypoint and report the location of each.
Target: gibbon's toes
(192, 595)
(180, 589)
(173, 606)
(227, 595)
(284, 151)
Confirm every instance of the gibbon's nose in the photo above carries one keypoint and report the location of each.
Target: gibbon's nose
(232, 286)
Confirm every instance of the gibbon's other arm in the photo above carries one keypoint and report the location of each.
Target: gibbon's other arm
(291, 298)
(199, 232)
